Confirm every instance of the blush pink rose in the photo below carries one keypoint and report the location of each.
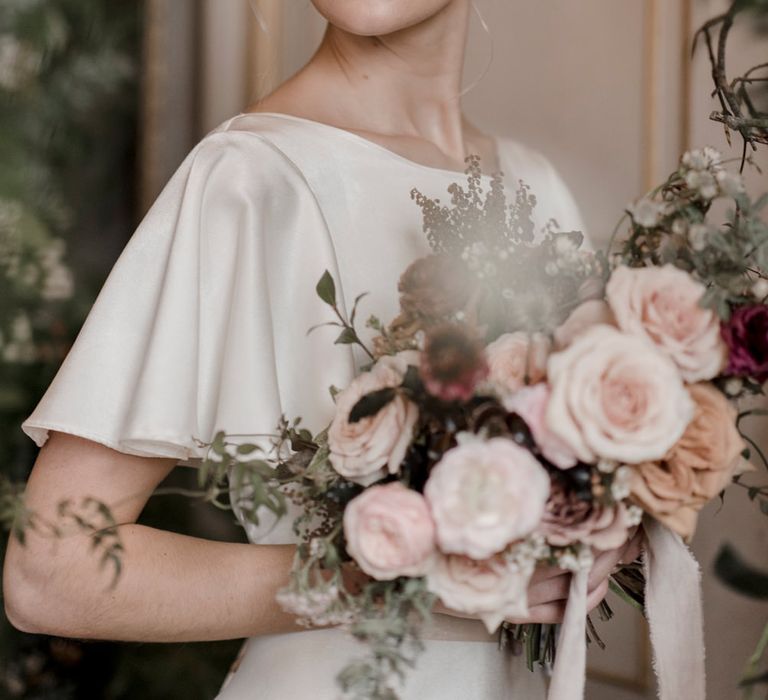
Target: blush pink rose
(484, 495)
(517, 359)
(582, 318)
(390, 532)
(616, 396)
(530, 403)
(662, 305)
(488, 588)
(367, 450)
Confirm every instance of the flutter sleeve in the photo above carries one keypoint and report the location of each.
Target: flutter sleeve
(202, 322)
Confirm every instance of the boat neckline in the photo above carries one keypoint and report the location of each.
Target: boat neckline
(352, 136)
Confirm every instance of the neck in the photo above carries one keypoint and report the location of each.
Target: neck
(406, 83)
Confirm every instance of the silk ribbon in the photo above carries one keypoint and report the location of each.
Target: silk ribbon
(674, 612)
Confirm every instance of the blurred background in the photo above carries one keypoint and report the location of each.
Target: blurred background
(99, 103)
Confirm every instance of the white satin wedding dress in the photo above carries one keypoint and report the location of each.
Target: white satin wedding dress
(202, 325)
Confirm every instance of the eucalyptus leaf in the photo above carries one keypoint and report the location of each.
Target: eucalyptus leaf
(326, 289)
(347, 337)
(246, 448)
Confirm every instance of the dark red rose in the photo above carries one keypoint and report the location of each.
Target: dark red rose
(746, 335)
(453, 362)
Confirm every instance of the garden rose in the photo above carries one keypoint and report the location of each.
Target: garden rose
(746, 335)
(697, 468)
(569, 519)
(662, 304)
(530, 403)
(615, 396)
(488, 588)
(367, 450)
(582, 318)
(390, 532)
(484, 495)
(665, 490)
(711, 445)
(517, 359)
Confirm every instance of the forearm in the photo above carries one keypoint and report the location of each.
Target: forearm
(172, 588)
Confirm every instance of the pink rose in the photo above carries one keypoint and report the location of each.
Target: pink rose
(615, 396)
(530, 403)
(582, 318)
(390, 532)
(489, 588)
(662, 305)
(517, 359)
(367, 450)
(484, 495)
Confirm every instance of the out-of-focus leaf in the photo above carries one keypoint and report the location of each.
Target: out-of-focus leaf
(736, 573)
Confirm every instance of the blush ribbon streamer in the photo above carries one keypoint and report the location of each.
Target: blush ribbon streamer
(674, 611)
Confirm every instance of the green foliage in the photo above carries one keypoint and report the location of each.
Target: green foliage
(673, 225)
(394, 614)
(68, 81)
(732, 570)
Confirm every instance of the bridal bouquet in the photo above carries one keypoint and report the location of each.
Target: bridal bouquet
(533, 402)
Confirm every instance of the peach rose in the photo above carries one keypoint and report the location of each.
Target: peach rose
(582, 318)
(517, 359)
(390, 532)
(697, 468)
(615, 396)
(489, 588)
(530, 403)
(662, 304)
(665, 490)
(367, 450)
(484, 495)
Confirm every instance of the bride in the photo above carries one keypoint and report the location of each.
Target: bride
(201, 326)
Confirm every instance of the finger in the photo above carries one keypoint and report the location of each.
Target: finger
(545, 572)
(551, 590)
(442, 609)
(603, 565)
(596, 597)
(634, 548)
(545, 614)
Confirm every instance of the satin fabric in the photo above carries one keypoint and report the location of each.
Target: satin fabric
(202, 325)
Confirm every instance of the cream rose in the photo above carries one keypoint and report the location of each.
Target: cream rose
(484, 495)
(615, 396)
(367, 450)
(390, 532)
(662, 304)
(517, 359)
(489, 588)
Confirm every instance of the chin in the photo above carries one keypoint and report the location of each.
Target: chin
(378, 17)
